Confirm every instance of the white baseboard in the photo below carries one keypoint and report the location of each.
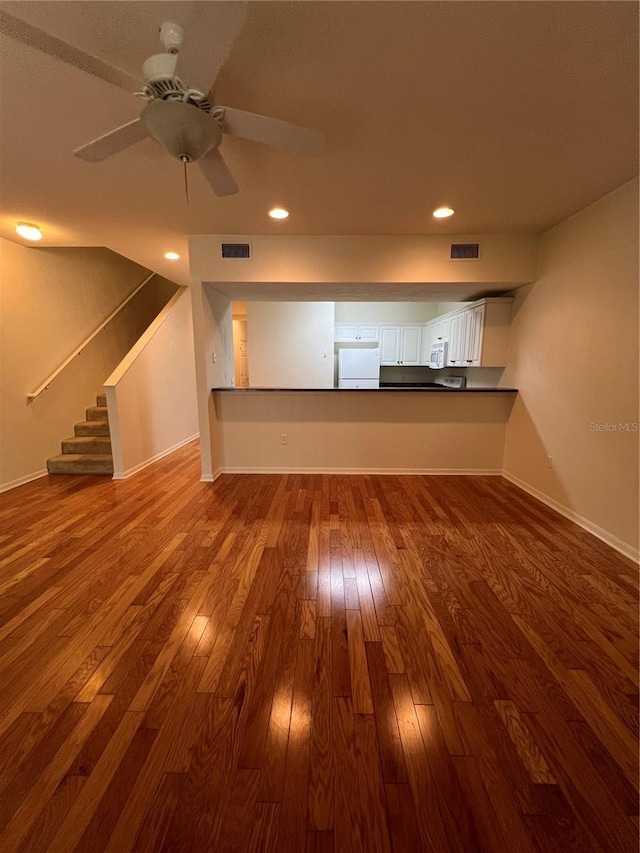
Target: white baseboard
(124, 475)
(484, 472)
(599, 532)
(13, 484)
(211, 478)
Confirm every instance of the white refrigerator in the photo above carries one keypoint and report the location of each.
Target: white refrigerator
(358, 368)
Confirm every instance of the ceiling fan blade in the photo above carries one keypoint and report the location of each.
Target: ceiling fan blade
(217, 173)
(207, 43)
(272, 131)
(33, 37)
(114, 141)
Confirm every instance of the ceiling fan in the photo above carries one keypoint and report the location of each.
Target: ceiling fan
(176, 84)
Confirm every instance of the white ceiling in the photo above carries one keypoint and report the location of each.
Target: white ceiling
(517, 114)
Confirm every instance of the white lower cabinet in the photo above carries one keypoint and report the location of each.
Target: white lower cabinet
(401, 345)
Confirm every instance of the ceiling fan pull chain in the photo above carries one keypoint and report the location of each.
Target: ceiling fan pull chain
(185, 160)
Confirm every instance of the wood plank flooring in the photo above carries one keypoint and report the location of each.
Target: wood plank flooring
(311, 663)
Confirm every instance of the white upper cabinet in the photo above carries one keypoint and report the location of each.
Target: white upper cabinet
(356, 333)
(401, 344)
(434, 332)
(389, 344)
(475, 349)
(477, 336)
(368, 333)
(346, 332)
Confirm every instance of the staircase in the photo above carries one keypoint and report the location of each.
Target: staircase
(89, 451)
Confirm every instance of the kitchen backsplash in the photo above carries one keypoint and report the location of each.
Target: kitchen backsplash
(477, 377)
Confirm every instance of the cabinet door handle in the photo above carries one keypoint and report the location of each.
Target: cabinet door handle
(469, 361)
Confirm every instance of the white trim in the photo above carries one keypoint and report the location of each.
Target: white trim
(143, 340)
(211, 478)
(13, 484)
(114, 430)
(599, 532)
(126, 474)
(484, 472)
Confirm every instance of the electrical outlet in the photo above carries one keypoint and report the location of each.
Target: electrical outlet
(284, 438)
(214, 357)
(549, 461)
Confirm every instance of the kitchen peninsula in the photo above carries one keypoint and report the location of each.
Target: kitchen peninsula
(386, 430)
(402, 388)
(291, 299)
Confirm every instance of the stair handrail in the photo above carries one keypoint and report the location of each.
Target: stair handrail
(43, 387)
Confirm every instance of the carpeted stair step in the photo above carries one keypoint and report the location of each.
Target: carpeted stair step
(97, 413)
(89, 450)
(92, 428)
(87, 444)
(80, 463)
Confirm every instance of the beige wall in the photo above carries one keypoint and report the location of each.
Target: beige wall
(361, 431)
(290, 344)
(385, 312)
(445, 307)
(51, 300)
(574, 357)
(213, 337)
(509, 258)
(152, 393)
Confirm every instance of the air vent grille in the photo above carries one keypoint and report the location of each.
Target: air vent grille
(236, 250)
(465, 251)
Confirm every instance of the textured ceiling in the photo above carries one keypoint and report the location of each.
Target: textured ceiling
(515, 114)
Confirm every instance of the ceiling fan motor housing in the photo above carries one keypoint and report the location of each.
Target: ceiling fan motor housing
(160, 66)
(182, 129)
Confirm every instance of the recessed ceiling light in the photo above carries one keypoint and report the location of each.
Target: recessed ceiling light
(443, 212)
(172, 256)
(279, 213)
(29, 231)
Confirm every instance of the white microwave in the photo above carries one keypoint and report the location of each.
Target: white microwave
(438, 355)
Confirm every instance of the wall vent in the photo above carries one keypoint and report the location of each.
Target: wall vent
(465, 251)
(236, 250)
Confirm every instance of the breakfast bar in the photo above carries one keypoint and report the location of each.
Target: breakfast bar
(405, 388)
(385, 430)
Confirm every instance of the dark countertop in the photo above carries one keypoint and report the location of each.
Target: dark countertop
(392, 388)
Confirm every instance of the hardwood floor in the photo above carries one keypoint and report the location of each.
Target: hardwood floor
(311, 663)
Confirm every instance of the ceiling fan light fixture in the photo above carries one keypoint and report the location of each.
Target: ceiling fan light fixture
(29, 231)
(279, 213)
(182, 129)
(443, 212)
(172, 256)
